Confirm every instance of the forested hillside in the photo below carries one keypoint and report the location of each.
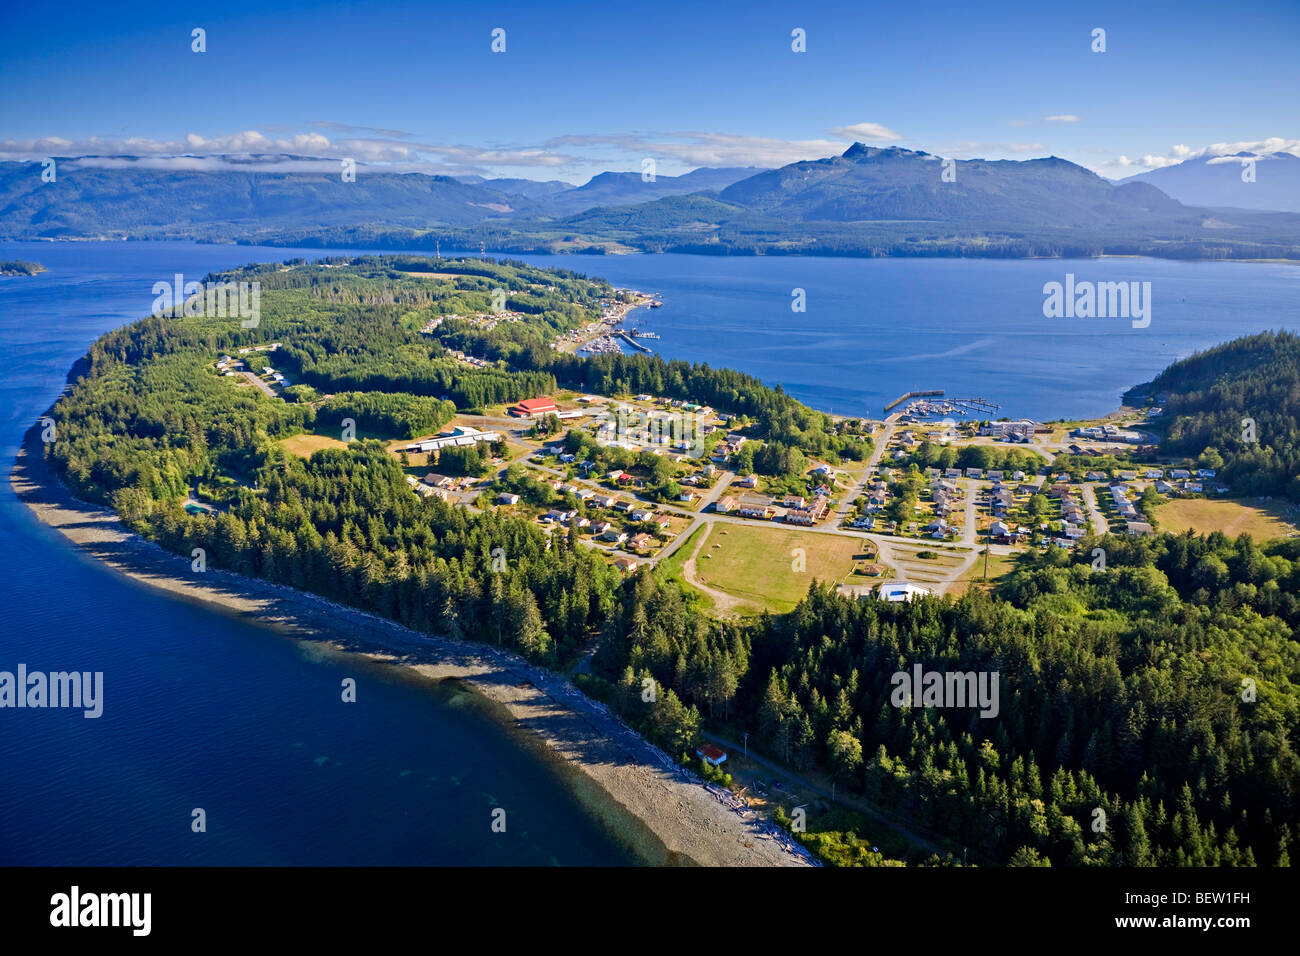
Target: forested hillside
(1236, 408)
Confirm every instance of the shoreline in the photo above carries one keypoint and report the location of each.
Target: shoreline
(343, 249)
(619, 777)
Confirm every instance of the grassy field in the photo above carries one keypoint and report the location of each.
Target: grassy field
(1260, 519)
(758, 563)
(304, 445)
(671, 566)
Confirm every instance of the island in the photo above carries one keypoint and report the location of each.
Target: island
(932, 638)
(19, 267)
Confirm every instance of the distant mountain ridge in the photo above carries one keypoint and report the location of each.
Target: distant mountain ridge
(868, 201)
(1216, 181)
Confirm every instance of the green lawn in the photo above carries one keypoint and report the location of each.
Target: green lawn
(760, 565)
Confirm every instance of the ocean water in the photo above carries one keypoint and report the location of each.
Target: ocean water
(876, 328)
(202, 711)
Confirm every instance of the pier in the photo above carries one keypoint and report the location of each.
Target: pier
(906, 395)
(976, 404)
(633, 342)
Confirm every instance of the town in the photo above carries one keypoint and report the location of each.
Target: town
(647, 480)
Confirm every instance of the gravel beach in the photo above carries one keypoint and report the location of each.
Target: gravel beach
(676, 819)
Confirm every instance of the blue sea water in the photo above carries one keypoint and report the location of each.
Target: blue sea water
(204, 711)
(876, 328)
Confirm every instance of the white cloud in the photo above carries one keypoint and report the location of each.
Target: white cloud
(1020, 122)
(1213, 154)
(1062, 118)
(1158, 162)
(867, 132)
(294, 153)
(1274, 144)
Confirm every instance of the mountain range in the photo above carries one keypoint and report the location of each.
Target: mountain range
(1273, 183)
(867, 201)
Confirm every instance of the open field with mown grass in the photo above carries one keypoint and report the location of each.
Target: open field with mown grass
(1260, 519)
(305, 445)
(757, 563)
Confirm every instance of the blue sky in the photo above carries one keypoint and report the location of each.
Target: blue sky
(585, 87)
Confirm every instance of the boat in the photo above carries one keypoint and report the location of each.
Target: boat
(657, 304)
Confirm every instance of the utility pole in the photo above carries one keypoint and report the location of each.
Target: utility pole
(986, 562)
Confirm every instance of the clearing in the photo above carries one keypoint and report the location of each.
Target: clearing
(757, 564)
(1262, 520)
(304, 445)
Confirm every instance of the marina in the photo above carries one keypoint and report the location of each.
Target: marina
(930, 407)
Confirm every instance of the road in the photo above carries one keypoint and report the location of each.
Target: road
(785, 774)
(890, 551)
(1095, 517)
(854, 493)
(266, 389)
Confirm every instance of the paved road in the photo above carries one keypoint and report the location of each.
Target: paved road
(1095, 517)
(855, 492)
(266, 389)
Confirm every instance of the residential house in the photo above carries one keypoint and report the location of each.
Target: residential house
(639, 542)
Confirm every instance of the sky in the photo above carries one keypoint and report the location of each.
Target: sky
(586, 87)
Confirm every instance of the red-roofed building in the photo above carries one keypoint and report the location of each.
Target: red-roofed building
(712, 754)
(534, 407)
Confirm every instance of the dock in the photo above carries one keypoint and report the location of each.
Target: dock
(976, 404)
(633, 342)
(906, 395)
